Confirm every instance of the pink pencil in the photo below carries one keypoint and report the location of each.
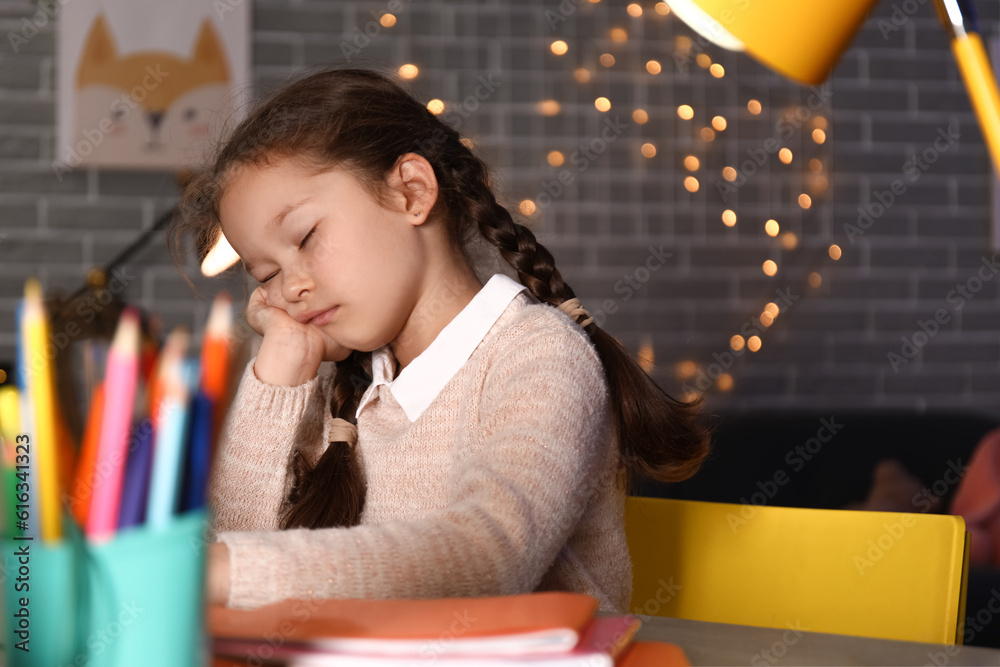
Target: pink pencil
(112, 449)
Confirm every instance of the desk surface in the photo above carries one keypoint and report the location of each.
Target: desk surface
(724, 644)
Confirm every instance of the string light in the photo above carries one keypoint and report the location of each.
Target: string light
(789, 241)
(653, 67)
(703, 60)
(661, 8)
(729, 174)
(691, 184)
(820, 122)
(555, 158)
(685, 112)
(772, 309)
(409, 71)
(753, 343)
(526, 207)
(435, 106)
(387, 20)
(717, 70)
(770, 267)
(819, 136)
(835, 252)
(640, 116)
(618, 35)
(648, 150)
(753, 106)
(549, 107)
(815, 280)
(686, 369)
(707, 134)
(559, 47)
(725, 382)
(805, 201)
(729, 218)
(737, 343)
(691, 163)
(719, 123)
(771, 227)
(634, 10)
(766, 319)
(815, 165)
(785, 155)
(607, 59)
(582, 75)
(602, 104)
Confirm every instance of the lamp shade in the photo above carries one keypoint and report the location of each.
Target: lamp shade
(800, 39)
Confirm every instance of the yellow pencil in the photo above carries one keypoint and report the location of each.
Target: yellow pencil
(35, 332)
(10, 426)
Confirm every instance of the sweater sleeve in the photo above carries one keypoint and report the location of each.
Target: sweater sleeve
(543, 438)
(250, 471)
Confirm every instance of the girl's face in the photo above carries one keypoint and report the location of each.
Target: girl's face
(326, 251)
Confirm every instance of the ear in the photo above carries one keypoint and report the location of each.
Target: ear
(413, 186)
(209, 51)
(99, 48)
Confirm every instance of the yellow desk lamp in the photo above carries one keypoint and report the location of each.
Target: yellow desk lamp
(803, 39)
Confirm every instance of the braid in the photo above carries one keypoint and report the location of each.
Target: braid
(332, 493)
(471, 196)
(658, 436)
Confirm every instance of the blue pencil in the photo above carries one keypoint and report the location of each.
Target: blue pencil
(172, 429)
(137, 470)
(199, 452)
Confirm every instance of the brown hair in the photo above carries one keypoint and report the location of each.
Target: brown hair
(362, 121)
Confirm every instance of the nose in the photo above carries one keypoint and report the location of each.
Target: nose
(295, 286)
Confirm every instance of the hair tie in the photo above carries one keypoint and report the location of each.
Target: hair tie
(573, 308)
(342, 430)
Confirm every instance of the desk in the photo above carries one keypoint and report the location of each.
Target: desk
(724, 644)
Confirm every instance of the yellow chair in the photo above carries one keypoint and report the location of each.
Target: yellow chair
(871, 574)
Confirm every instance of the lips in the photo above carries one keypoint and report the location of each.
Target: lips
(317, 317)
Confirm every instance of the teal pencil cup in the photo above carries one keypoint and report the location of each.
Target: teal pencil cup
(135, 600)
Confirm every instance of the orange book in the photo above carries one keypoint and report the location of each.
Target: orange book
(549, 622)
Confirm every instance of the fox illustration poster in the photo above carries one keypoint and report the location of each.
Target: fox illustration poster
(149, 85)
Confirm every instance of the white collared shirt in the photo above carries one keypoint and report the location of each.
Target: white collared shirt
(423, 379)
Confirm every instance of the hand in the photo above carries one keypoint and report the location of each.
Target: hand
(217, 575)
(291, 351)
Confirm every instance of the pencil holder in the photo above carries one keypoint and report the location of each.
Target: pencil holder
(134, 600)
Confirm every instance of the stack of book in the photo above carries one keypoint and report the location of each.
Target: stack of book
(553, 628)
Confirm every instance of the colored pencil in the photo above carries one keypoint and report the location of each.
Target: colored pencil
(10, 424)
(137, 470)
(171, 430)
(35, 331)
(199, 452)
(84, 482)
(119, 397)
(215, 359)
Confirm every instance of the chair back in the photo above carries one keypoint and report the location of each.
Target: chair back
(872, 574)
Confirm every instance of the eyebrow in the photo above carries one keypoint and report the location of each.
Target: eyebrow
(275, 222)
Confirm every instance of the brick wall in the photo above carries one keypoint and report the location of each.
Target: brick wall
(609, 213)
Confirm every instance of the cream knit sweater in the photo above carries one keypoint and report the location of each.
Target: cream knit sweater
(505, 484)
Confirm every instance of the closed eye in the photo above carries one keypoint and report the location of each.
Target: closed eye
(307, 236)
(301, 246)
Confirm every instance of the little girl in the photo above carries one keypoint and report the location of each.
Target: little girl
(474, 439)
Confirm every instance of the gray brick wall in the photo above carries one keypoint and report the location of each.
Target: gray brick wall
(830, 345)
